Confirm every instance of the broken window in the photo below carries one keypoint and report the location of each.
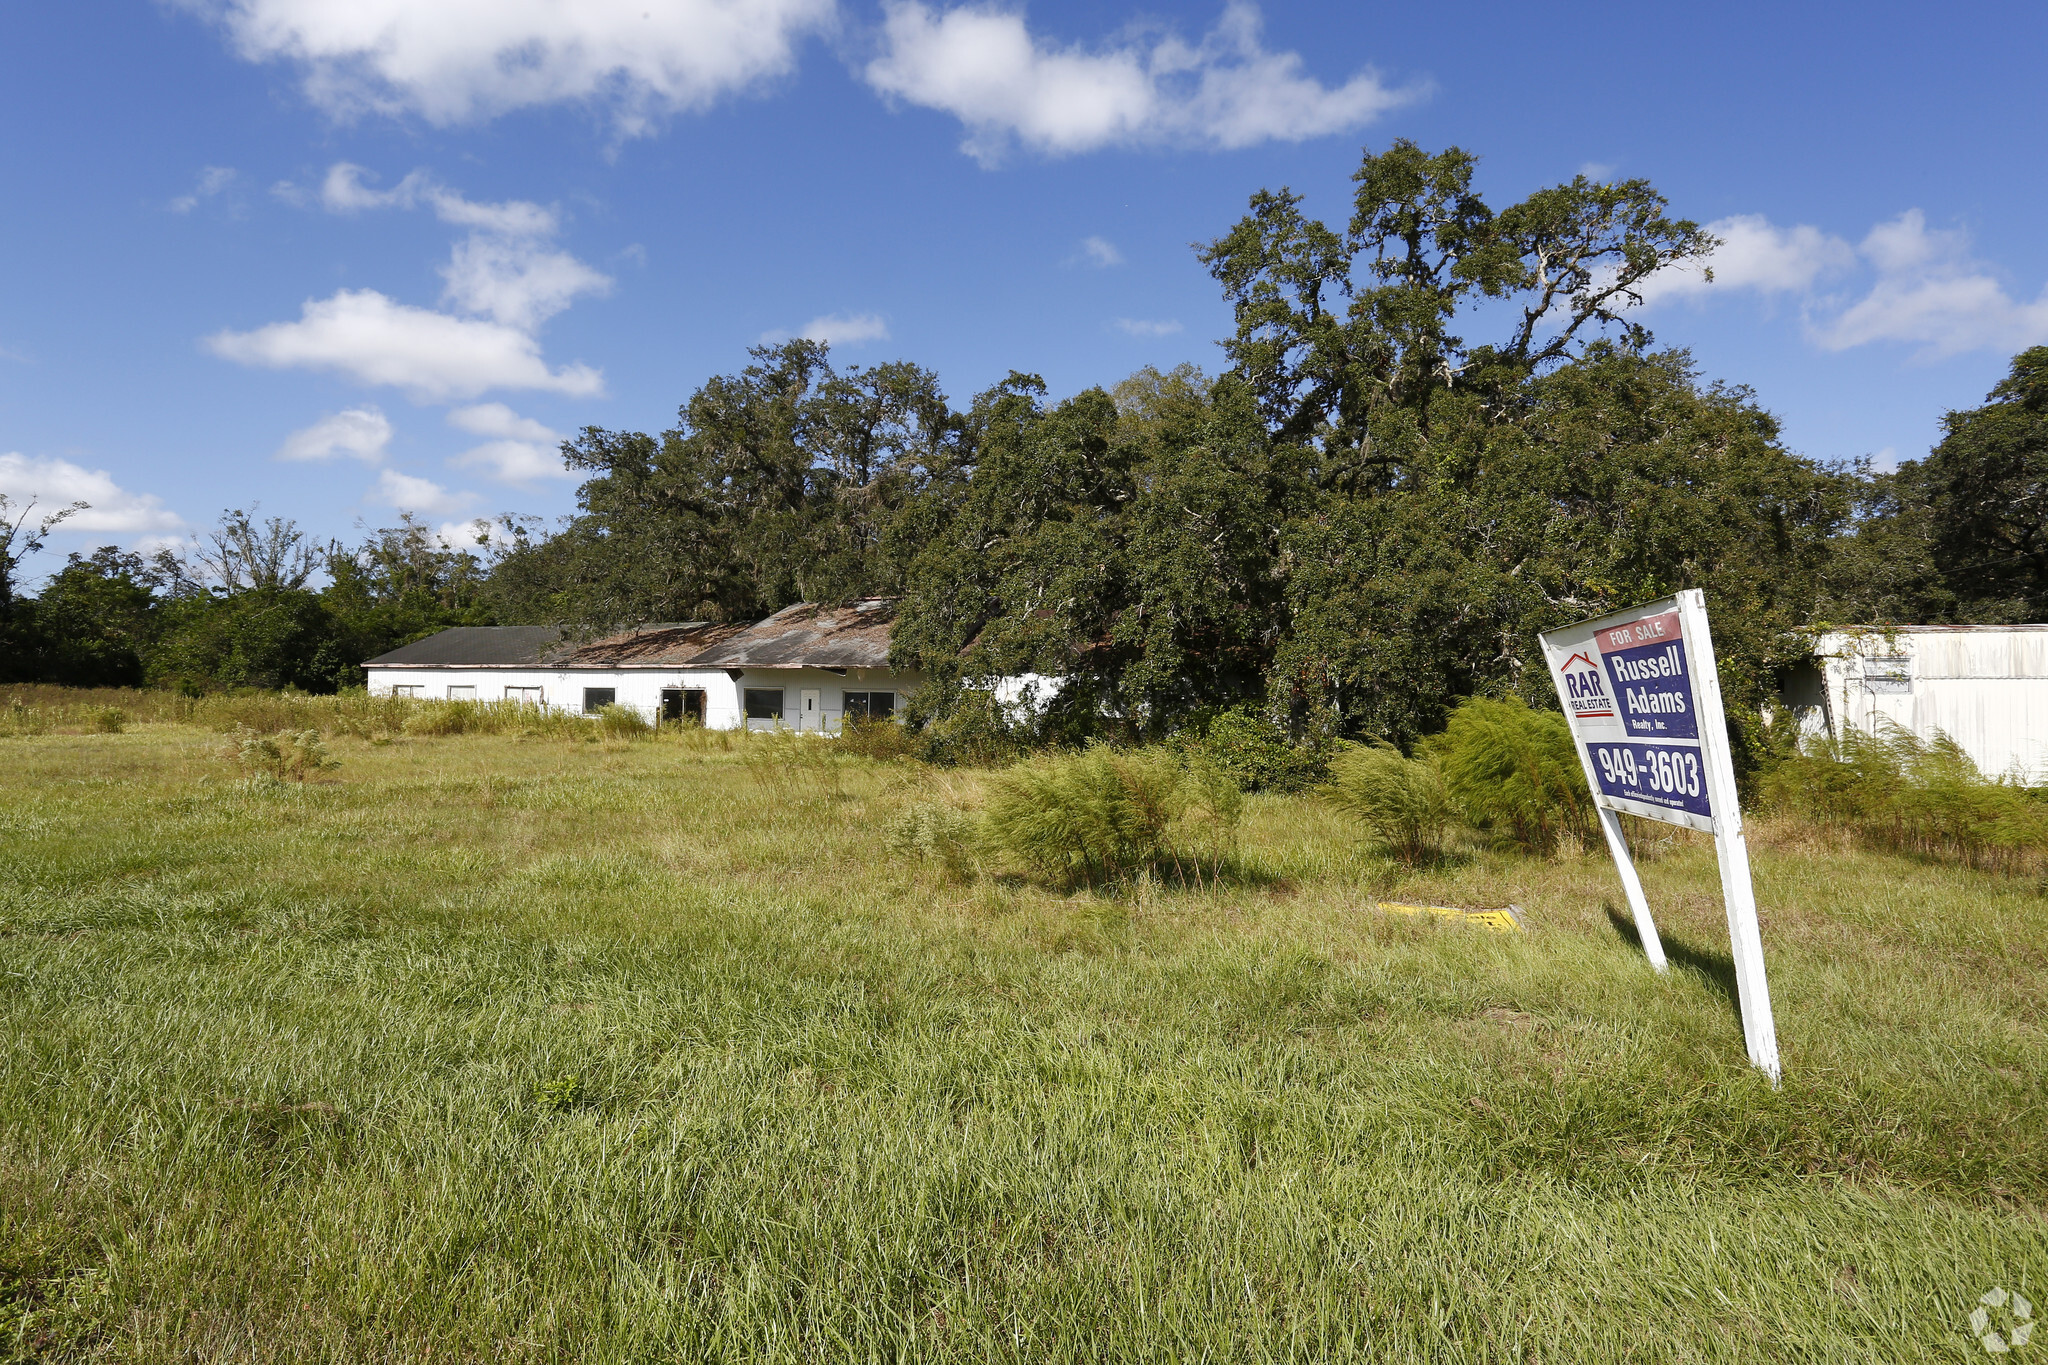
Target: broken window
(870, 705)
(406, 690)
(597, 698)
(682, 703)
(462, 691)
(525, 696)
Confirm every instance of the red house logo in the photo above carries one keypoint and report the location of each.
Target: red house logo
(1584, 688)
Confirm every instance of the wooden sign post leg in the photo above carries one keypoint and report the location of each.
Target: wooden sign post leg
(1632, 886)
(1759, 1030)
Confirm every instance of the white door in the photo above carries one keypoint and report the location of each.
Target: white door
(808, 715)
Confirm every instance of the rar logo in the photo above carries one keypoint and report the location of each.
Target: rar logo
(2002, 1321)
(1582, 685)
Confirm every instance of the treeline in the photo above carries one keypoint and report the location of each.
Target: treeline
(1438, 432)
(238, 611)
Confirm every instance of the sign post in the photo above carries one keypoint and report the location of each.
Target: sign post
(1643, 696)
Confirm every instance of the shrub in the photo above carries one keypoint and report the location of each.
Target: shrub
(106, 720)
(1099, 816)
(1091, 817)
(1895, 791)
(975, 730)
(1514, 772)
(1402, 801)
(295, 754)
(933, 832)
(1259, 755)
(879, 739)
(622, 722)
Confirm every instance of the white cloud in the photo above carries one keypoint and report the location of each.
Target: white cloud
(504, 267)
(466, 535)
(845, 329)
(344, 191)
(410, 494)
(1756, 255)
(1922, 286)
(495, 419)
(525, 450)
(1101, 252)
(516, 281)
(212, 180)
(520, 462)
(1932, 292)
(452, 61)
(359, 433)
(434, 357)
(53, 483)
(1138, 327)
(983, 66)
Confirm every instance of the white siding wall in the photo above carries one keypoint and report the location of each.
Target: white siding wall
(1985, 687)
(562, 689)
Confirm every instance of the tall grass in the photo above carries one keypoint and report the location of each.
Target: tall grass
(1514, 773)
(495, 1050)
(1100, 816)
(1895, 791)
(1402, 801)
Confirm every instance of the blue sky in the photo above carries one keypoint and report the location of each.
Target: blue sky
(343, 257)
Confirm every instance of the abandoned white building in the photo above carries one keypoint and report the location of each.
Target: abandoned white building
(807, 667)
(1986, 687)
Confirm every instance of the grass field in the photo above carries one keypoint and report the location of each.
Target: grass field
(516, 1049)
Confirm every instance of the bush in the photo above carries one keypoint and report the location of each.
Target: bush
(1895, 791)
(1401, 800)
(1100, 816)
(106, 720)
(933, 832)
(975, 730)
(291, 754)
(1258, 754)
(880, 739)
(622, 722)
(1514, 772)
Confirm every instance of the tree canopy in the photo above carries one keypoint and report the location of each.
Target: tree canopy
(1439, 429)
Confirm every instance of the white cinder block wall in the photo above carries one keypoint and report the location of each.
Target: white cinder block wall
(563, 689)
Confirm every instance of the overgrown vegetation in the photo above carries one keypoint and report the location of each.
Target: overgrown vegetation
(1514, 773)
(1402, 801)
(1895, 791)
(1100, 816)
(527, 1048)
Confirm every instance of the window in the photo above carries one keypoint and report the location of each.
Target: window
(682, 703)
(597, 698)
(525, 696)
(406, 689)
(462, 691)
(763, 703)
(870, 705)
(1893, 674)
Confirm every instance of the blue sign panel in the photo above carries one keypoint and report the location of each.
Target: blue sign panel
(1652, 689)
(1667, 775)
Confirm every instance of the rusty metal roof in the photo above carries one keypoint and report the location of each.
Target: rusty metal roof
(811, 636)
(803, 636)
(474, 647)
(660, 646)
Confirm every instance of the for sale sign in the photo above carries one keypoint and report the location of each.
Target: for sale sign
(1627, 685)
(1643, 698)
